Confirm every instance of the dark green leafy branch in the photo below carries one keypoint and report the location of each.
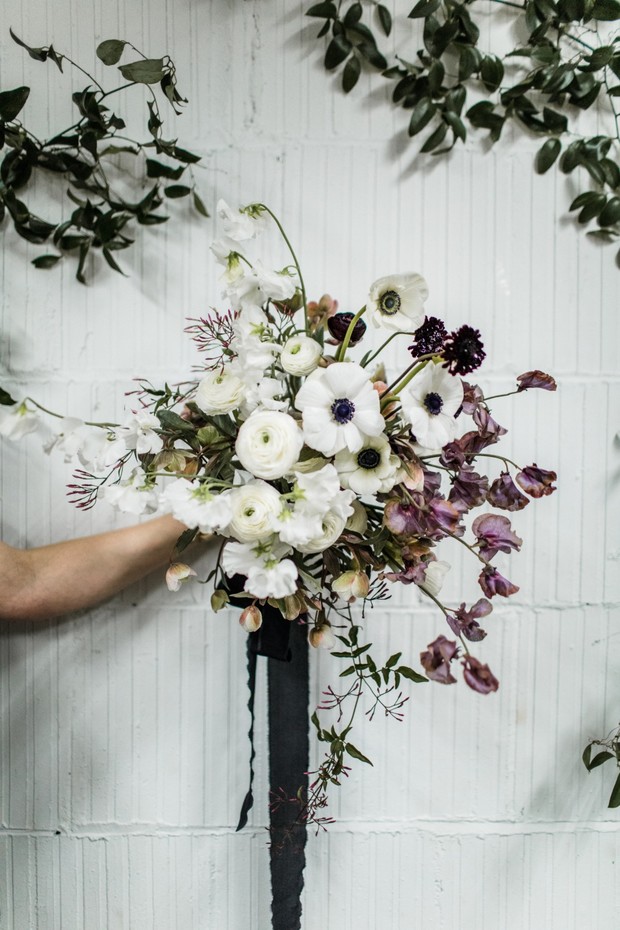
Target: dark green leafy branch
(611, 750)
(565, 65)
(82, 154)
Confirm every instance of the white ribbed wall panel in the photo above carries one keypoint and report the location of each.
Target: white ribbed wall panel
(124, 730)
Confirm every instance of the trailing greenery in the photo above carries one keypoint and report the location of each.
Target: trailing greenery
(564, 65)
(82, 155)
(610, 751)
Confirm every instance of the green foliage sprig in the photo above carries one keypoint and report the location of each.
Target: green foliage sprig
(81, 154)
(610, 751)
(563, 66)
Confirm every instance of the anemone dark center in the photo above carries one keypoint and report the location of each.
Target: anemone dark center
(390, 303)
(343, 410)
(368, 458)
(433, 403)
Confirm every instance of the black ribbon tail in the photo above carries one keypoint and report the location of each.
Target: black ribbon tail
(248, 801)
(288, 686)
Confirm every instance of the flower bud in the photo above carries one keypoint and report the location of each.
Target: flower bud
(251, 619)
(322, 637)
(351, 584)
(358, 521)
(339, 324)
(294, 605)
(219, 599)
(177, 574)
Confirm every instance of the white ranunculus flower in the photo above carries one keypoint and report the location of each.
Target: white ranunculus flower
(268, 444)
(434, 576)
(339, 408)
(242, 223)
(300, 355)
(254, 506)
(220, 391)
(371, 470)
(429, 403)
(332, 526)
(397, 301)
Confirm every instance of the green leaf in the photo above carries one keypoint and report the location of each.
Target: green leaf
(79, 274)
(599, 759)
(110, 51)
(436, 138)
(606, 10)
(423, 113)
(611, 171)
(491, 72)
(385, 18)
(199, 205)
(547, 154)
(11, 102)
(391, 662)
(436, 74)
(592, 208)
(348, 671)
(112, 262)
(5, 398)
(468, 62)
(409, 673)
(356, 754)
(338, 49)
(327, 10)
(172, 421)
(177, 190)
(353, 14)
(582, 199)
(39, 54)
(610, 214)
(614, 798)
(424, 8)
(372, 55)
(145, 71)
(45, 261)
(554, 121)
(155, 169)
(351, 73)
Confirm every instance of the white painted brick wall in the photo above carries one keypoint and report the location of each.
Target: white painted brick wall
(124, 753)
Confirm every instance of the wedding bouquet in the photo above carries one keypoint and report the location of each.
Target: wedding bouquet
(326, 480)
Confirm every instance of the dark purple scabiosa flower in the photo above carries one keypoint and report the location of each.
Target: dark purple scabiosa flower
(469, 489)
(493, 583)
(463, 351)
(339, 324)
(504, 494)
(536, 481)
(465, 622)
(494, 535)
(479, 677)
(436, 660)
(429, 337)
(536, 379)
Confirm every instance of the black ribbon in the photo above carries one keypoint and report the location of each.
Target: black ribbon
(285, 646)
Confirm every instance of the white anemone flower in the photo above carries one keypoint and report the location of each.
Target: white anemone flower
(267, 573)
(339, 408)
(429, 403)
(268, 444)
(197, 506)
(372, 469)
(397, 301)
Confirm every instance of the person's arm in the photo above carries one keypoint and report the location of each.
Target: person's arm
(36, 584)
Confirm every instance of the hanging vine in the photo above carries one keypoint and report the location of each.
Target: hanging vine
(84, 155)
(566, 64)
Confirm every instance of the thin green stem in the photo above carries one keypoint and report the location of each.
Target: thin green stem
(295, 260)
(60, 416)
(340, 354)
(507, 394)
(468, 546)
(401, 332)
(79, 68)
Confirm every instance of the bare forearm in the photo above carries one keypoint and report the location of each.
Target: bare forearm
(40, 583)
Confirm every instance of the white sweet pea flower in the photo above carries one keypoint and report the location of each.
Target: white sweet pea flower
(371, 470)
(397, 301)
(263, 392)
(268, 444)
(254, 505)
(70, 438)
(339, 408)
(434, 576)
(332, 525)
(139, 434)
(267, 573)
(255, 343)
(197, 506)
(133, 495)
(241, 224)
(220, 391)
(300, 355)
(19, 422)
(259, 284)
(429, 403)
(99, 449)
(227, 254)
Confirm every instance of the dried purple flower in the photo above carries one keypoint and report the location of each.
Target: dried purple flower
(493, 583)
(429, 337)
(494, 535)
(463, 351)
(536, 379)
(504, 494)
(339, 324)
(536, 481)
(479, 677)
(472, 397)
(465, 622)
(486, 424)
(436, 660)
